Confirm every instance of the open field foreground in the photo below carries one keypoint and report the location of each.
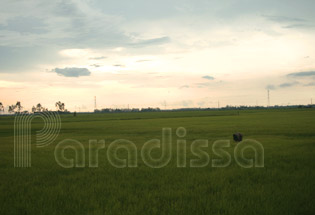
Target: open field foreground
(285, 185)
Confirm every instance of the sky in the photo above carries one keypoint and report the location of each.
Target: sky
(167, 54)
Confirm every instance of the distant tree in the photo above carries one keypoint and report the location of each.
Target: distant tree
(18, 106)
(11, 108)
(60, 106)
(149, 109)
(1, 107)
(15, 108)
(38, 107)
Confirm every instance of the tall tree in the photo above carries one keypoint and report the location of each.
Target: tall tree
(18, 106)
(15, 108)
(60, 106)
(11, 108)
(39, 107)
(1, 107)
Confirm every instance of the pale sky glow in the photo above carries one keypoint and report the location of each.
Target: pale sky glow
(151, 53)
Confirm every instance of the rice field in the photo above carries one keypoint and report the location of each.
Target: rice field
(284, 185)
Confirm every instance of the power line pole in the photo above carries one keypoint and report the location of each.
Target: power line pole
(218, 104)
(94, 102)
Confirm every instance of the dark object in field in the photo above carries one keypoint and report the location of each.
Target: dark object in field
(238, 137)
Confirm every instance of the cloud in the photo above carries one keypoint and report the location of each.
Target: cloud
(119, 65)
(95, 65)
(184, 86)
(67, 24)
(291, 22)
(283, 19)
(144, 60)
(25, 25)
(202, 85)
(299, 26)
(283, 85)
(208, 77)
(291, 84)
(270, 87)
(97, 58)
(150, 42)
(72, 72)
(21, 59)
(310, 84)
(302, 74)
(67, 9)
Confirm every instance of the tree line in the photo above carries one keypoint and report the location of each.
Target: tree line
(117, 110)
(18, 108)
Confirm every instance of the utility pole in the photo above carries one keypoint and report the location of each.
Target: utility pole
(218, 104)
(94, 102)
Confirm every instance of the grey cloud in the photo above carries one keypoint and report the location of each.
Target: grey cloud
(95, 65)
(96, 24)
(283, 85)
(41, 39)
(208, 77)
(292, 22)
(72, 72)
(25, 25)
(67, 8)
(97, 58)
(276, 10)
(310, 84)
(283, 19)
(202, 85)
(302, 74)
(299, 26)
(71, 27)
(270, 87)
(289, 84)
(19, 59)
(150, 42)
(119, 65)
(138, 9)
(225, 10)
